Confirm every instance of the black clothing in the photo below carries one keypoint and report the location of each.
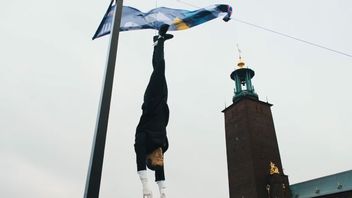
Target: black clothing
(141, 148)
(151, 129)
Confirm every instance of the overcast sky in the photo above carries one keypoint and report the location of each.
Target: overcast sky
(51, 75)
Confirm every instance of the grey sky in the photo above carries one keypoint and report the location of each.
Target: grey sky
(51, 74)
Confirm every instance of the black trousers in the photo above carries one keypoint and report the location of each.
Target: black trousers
(151, 129)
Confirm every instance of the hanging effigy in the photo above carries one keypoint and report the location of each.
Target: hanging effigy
(177, 19)
(151, 140)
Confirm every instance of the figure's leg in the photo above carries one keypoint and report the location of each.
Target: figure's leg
(157, 87)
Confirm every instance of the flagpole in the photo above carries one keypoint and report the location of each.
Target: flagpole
(97, 155)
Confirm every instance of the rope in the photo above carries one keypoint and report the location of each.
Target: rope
(292, 37)
(278, 33)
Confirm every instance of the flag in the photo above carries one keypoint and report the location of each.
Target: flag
(134, 19)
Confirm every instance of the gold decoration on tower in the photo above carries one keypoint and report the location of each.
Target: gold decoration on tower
(240, 63)
(274, 169)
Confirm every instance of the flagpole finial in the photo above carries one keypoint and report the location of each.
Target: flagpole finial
(241, 62)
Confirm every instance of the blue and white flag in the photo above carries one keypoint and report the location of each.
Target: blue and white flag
(133, 19)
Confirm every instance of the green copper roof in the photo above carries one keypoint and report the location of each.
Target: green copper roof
(331, 184)
(243, 77)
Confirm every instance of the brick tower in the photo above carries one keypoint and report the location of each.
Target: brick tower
(253, 157)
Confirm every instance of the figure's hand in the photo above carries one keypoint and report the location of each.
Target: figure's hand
(147, 195)
(162, 195)
(162, 188)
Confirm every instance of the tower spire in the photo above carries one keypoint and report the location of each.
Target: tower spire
(243, 80)
(240, 63)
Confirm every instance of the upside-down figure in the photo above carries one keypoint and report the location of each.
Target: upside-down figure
(150, 140)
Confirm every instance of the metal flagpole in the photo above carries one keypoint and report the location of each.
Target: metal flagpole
(97, 156)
